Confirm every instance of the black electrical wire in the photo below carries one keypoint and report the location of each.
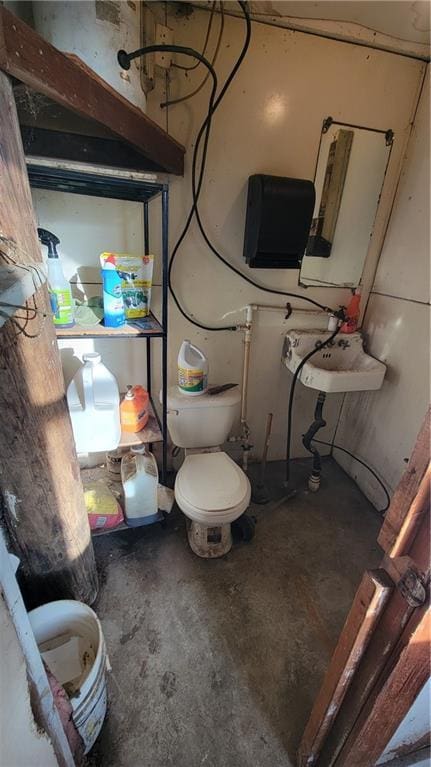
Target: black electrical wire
(365, 465)
(181, 99)
(196, 188)
(317, 348)
(207, 36)
(124, 61)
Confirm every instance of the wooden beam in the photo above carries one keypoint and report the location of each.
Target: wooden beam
(379, 721)
(63, 145)
(42, 496)
(68, 81)
(405, 501)
(367, 607)
(385, 645)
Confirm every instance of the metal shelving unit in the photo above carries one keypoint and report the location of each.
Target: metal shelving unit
(121, 186)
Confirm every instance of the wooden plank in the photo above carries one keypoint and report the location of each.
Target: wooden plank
(384, 645)
(336, 172)
(369, 602)
(42, 142)
(43, 502)
(418, 509)
(411, 510)
(100, 331)
(406, 493)
(379, 721)
(66, 80)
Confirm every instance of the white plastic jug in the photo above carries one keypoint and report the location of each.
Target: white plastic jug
(94, 405)
(140, 478)
(192, 370)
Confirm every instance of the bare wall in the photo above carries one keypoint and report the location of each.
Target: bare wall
(269, 122)
(382, 426)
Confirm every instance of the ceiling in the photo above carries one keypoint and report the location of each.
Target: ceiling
(404, 20)
(396, 25)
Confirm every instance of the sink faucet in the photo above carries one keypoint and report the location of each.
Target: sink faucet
(344, 343)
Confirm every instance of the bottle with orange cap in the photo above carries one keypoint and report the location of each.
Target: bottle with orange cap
(134, 409)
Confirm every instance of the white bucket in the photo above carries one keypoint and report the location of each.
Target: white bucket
(70, 639)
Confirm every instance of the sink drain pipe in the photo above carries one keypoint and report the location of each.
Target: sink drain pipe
(319, 346)
(307, 440)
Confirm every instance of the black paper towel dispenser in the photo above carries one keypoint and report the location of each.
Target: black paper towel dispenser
(278, 220)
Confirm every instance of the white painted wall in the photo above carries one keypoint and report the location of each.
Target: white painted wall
(395, 26)
(95, 32)
(270, 123)
(22, 743)
(382, 426)
(414, 726)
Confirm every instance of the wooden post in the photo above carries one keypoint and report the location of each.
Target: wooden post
(43, 503)
(379, 720)
(368, 605)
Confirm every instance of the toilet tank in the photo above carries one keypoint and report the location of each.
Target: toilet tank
(203, 421)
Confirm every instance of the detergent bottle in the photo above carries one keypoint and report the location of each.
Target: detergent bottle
(352, 313)
(60, 294)
(192, 369)
(113, 305)
(134, 409)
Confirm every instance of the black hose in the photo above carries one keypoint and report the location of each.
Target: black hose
(196, 189)
(124, 61)
(318, 347)
(365, 465)
(308, 438)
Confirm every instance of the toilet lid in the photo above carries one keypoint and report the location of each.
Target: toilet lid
(211, 481)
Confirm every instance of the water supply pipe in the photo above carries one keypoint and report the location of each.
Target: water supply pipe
(245, 431)
(248, 332)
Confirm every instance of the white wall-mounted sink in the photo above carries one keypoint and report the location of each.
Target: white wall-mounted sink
(340, 367)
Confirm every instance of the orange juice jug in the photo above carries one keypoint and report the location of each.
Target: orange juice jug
(134, 409)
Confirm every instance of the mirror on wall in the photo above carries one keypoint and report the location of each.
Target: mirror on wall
(349, 176)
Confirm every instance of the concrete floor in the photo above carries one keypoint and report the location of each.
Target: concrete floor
(217, 663)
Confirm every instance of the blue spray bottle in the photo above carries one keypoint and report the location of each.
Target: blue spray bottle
(113, 306)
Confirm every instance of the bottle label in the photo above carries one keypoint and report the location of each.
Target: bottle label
(62, 306)
(132, 418)
(192, 380)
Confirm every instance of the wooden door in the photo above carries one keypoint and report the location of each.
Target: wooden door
(381, 661)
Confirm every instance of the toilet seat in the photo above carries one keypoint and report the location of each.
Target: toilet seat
(211, 489)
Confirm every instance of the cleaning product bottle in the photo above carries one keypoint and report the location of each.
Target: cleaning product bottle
(134, 409)
(192, 369)
(352, 313)
(113, 305)
(60, 294)
(140, 477)
(94, 405)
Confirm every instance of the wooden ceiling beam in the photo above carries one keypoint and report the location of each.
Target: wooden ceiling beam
(25, 55)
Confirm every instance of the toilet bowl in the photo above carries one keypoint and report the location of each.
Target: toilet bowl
(210, 488)
(212, 491)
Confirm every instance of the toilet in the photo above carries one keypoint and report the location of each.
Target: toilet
(210, 488)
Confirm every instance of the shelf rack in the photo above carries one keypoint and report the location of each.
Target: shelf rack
(136, 187)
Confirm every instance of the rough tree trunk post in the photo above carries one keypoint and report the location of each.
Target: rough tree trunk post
(42, 498)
